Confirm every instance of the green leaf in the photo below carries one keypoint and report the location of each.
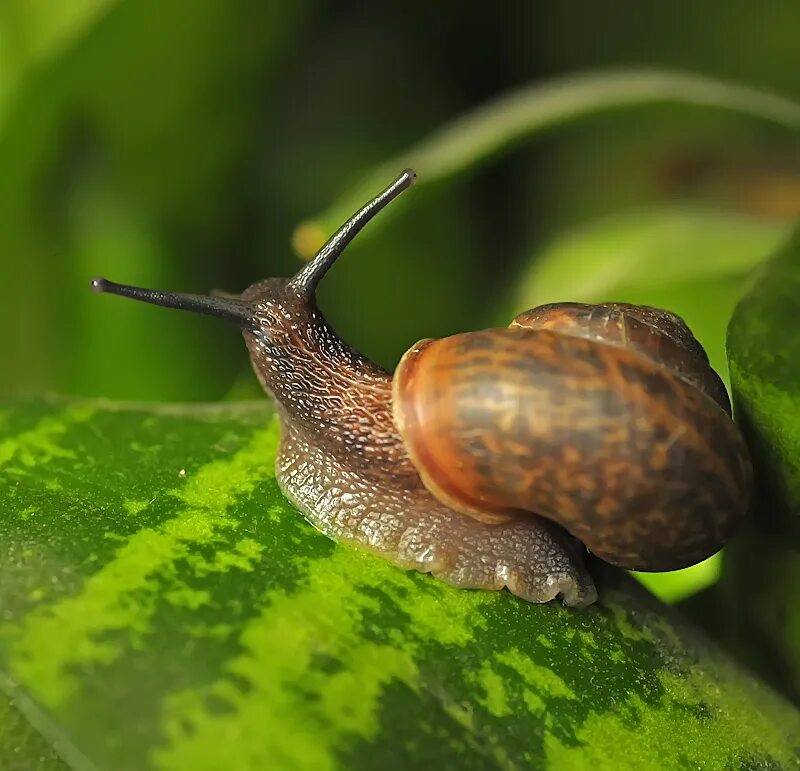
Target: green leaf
(502, 123)
(164, 607)
(129, 155)
(760, 581)
(694, 261)
(22, 747)
(764, 353)
(32, 33)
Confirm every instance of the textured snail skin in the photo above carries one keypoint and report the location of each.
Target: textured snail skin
(343, 463)
(569, 414)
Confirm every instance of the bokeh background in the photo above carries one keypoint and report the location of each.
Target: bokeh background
(179, 144)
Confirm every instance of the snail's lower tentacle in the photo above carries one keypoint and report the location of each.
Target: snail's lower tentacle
(397, 518)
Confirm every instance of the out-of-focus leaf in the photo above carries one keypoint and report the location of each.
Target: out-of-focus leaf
(131, 154)
(478, 136)
(694, 261)
(164, 607)
(32, 33)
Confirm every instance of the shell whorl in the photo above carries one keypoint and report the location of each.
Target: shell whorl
(638, 460)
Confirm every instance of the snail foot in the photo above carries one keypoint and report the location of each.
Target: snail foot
(529, 556)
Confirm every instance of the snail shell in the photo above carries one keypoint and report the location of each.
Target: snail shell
(605, 419)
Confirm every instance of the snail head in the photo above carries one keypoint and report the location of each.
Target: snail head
(283, 329)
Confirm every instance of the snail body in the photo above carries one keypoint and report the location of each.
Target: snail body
(490, 458)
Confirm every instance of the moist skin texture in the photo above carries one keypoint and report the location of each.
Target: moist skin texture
(343, 464)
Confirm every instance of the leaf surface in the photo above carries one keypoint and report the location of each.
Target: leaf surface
(760, 581)
(764, 352)
(164, 607)
(22, 747)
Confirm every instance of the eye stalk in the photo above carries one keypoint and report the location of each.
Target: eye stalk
(227, 308)
(307, 279)
(304, 284)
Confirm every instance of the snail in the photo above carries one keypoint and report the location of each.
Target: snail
(496, 458)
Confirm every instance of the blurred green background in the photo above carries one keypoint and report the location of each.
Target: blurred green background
(179, 144)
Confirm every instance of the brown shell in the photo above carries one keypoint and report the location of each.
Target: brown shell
(658, 334)
(647, 470)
